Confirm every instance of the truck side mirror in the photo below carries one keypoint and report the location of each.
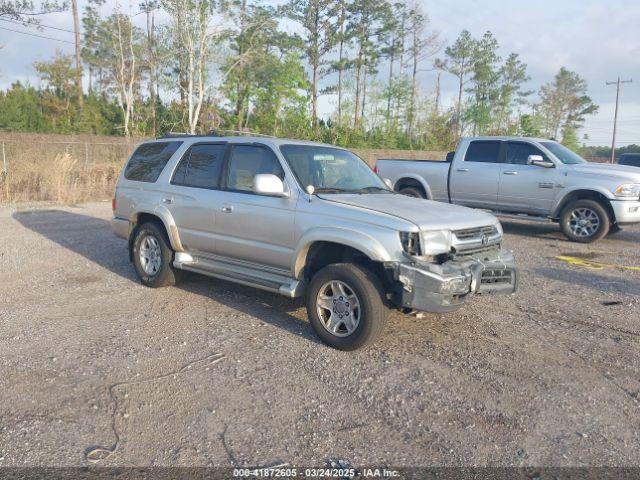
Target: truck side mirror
(539, 161)
(269, 185)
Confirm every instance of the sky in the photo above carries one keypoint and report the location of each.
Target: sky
(596, 38)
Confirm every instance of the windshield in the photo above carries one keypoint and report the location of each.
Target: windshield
(331, 170)
(563, 154)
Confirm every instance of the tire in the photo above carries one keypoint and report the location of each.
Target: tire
(584, 221)
(360, 297)
(152, 238)
(412, 192)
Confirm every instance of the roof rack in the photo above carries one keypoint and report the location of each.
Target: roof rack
(216, 133)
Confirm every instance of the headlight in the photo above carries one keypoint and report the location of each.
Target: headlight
(411, 243)
(628, 190)
(436, 242)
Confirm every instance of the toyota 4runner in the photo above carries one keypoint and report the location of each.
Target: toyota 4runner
(303, 219)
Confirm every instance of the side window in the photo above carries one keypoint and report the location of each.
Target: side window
(201, 167)
(518, 152)
(246, 162)
(148, 161)
(485, 152)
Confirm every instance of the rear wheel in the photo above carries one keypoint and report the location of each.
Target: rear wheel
(584, 221)
(345, 306)
(153, 256)
(412, 192)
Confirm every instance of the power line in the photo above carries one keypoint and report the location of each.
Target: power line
(36, 35)
(36, 25)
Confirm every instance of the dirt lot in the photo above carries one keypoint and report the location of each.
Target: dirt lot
(211, 373)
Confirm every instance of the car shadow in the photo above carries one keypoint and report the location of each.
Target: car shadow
(92, 238)
(594, 281)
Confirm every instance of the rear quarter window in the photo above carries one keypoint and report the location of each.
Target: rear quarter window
(148, 161)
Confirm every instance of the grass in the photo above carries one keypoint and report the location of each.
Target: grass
(68, 169)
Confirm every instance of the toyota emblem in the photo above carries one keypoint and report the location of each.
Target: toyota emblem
(485, 240)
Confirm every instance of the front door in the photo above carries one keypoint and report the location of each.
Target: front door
(474, 181)
(526, 188)
(251, 227)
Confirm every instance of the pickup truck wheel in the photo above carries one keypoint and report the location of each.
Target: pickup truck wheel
(584, 221)
(412, 192)
(345, 306)
(153, 257)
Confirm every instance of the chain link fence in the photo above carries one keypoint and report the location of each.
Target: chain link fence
(50, 168)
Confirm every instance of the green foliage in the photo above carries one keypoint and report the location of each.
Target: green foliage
(234, 65)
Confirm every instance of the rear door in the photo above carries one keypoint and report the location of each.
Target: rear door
(526, 188)
(475, 180)
(194, 197)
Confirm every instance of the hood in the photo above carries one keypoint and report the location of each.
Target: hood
(426, 214)
(626, 173)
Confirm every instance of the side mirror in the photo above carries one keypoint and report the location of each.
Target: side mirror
(269, 185)
(388, 183)
(539, 161)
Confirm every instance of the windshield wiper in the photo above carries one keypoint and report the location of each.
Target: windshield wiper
(331, 190)
(372, 189)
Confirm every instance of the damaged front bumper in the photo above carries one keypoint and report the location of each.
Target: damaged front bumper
(444, 287)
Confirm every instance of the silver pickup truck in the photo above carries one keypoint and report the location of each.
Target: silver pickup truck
(303, 219)
(528, 178)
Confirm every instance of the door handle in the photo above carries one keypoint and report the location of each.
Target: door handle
(462, 169)
(167, 200)
(227, 209)
(510, 173)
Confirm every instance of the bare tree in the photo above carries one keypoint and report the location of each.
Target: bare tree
(127, 69)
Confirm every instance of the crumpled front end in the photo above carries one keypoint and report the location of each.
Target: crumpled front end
(431, 287)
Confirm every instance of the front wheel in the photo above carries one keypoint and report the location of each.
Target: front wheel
(584, 221)
(345, 306)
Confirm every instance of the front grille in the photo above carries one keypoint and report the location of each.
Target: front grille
(476, 241)
(495, 276)
(475, 233)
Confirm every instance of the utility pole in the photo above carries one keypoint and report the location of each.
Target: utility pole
(615, 117)
(76, 29)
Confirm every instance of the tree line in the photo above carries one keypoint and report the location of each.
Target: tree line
(241, 65)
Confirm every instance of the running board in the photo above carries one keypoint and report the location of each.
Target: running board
(264, 279)
(522, 216)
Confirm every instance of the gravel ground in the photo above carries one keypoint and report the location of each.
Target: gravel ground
(211, 373)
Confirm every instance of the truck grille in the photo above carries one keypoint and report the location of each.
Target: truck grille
(476, 241)
(475, 233)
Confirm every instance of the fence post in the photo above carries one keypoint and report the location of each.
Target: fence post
(5, 173)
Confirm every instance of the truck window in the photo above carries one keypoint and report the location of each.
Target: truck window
(485, 152)
(148, 161)
(632, 159)
(518, 152)
(201, 166)
(246, 162)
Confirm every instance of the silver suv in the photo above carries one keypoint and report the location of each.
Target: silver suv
(303, 219)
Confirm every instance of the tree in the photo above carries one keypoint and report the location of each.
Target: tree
(76, 28)
(193, 29)
(422, 47)
(459, 62)
(512, 76)
(484, 83)
(316, 18)
(58, 78)
(26, 11)
(564, 103)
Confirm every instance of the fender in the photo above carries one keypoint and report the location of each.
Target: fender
(165, 216)
(417, 178)
(568, 191)
(366, 244)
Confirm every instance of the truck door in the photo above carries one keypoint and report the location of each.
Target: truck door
(475, 180)
(525, 188)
